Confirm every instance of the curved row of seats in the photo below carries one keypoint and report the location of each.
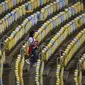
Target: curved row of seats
(19, 64)
(62, 35)
(51, 8)
(33, 4)
(57, 20)
(22, 29)
(15, 14)
(8, 19)
(8, 5)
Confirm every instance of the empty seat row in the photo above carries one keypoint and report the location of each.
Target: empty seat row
(62, 35)
(19, 64)
(9, 4)
(52, 7)
(33, 4)
(21, 30)
(30, 5)
(57, 20)
(11, 17)
(73, 47)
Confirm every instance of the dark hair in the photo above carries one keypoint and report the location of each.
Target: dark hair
(31, 34)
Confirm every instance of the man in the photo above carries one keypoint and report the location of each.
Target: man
(33, 45)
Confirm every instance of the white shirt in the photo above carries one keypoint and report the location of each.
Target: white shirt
(31, 40)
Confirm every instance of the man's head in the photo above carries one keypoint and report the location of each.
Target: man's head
(31, 34)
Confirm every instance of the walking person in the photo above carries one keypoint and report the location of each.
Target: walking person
(33, 46)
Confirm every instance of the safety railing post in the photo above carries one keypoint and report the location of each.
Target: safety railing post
(79, 66)
(4, 37)
(2, 59)
(42, 55)
(61, 60)
(41, 69)
(2, 48)
(22, 53)
(79, 73)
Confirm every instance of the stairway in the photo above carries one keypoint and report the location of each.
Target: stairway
(6, 73)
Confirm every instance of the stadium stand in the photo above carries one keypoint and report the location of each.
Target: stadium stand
(60, 30)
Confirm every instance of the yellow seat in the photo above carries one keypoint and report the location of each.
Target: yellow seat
(1, 9)
(1, 26)
(23, 9)
(10, 4)
(51, 8)
(54, 6)
(3, 6)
